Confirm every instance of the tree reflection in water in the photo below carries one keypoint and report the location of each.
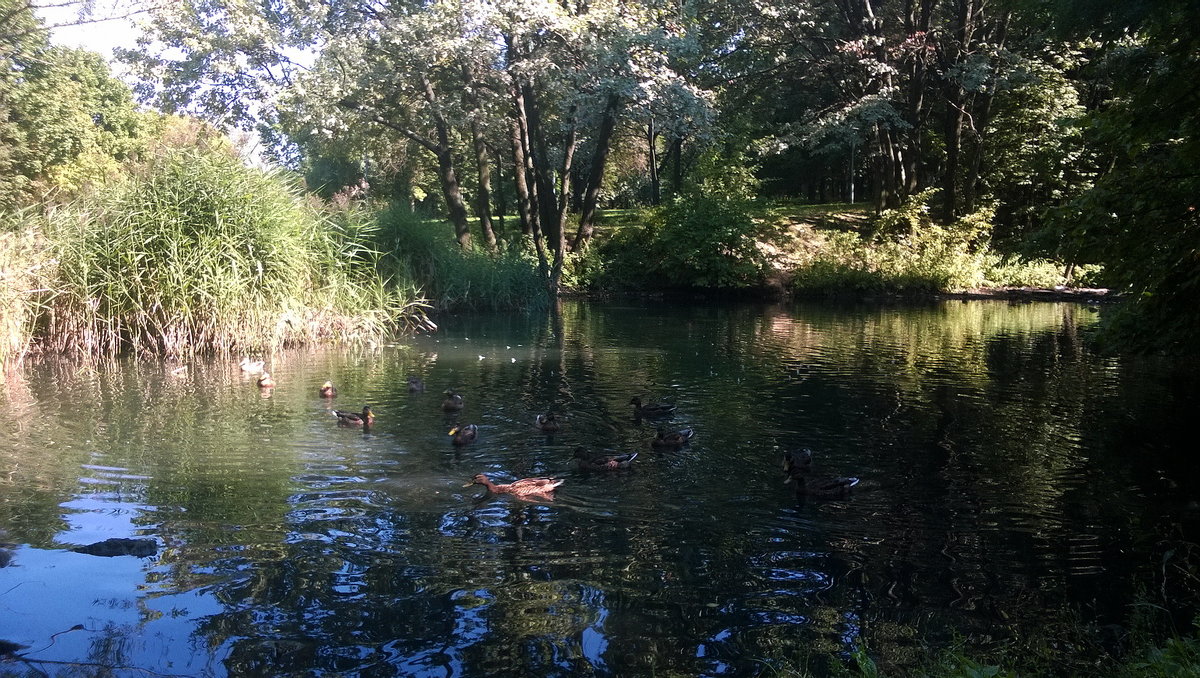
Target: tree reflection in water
(1008, 470)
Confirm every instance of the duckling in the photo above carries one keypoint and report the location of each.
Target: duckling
(650, 410)
(614, 462)
(327, 390)
(546, 422)
(251, 366)
(453, 402)
(464, 435)
(415, 385)
(798, 464)
(526, 487)
(265, 380)
(366, 418)
(671, 440)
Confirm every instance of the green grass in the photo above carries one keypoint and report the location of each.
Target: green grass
(424, 250)
(190, 250)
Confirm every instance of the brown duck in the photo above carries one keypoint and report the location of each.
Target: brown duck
(526, 487)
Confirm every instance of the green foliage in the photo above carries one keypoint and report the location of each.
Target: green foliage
(706, 237)
(192, 250)
(424, 250)
(65, 121)
(908, 253)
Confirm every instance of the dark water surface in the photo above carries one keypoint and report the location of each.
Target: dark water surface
(1007, 470)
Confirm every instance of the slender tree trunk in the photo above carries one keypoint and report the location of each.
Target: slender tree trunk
(979, 128)
(446, 174)
(591, 195)
(501, 204)
(543, 182)
(956, 111)
(524, 212)
(484, 201)
(652, 152)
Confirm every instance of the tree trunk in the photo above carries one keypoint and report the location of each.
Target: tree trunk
(652, 152)
(524, 212)
(591, 195)
(956, 112)
(446, 174)
(484, 201)
(979, 128)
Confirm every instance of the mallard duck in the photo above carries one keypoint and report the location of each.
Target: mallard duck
(651, 410)
(452, 403)
(546, 422)
(526, 487)
(365, 418)
(671, 440)
(464, 435)
(797, 462)
(415, 385)
(265, 380)
(251, 366)
(327, 390)
(614, 462)
(798, 465)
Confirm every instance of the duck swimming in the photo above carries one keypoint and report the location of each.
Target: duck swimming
(798, 466)
(265, 380)
(366, 418)
(671, 440)
(453, 402)
(526, 487)
(415, 385)
(546, 422)
(650, 410)
(327, 390)
(614, 462)
(464, 435)
(251, 366)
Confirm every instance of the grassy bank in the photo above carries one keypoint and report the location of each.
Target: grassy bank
(807, 250)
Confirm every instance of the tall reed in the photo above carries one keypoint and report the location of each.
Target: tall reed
(192, 250)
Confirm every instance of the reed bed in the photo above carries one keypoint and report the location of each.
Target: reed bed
(192, 251)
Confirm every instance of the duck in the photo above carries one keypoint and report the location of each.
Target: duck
(798, 465)
(650, 410)
(613, 462)
(327, 390)
(251, 366)
(671, 440)
(546, 422)
(526, 487)
(415, 385)
(464, 435)
(265, 380)
(366, 418)
(453, 402)
(797, 462)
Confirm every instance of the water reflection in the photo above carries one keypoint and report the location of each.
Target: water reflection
(1004, 465)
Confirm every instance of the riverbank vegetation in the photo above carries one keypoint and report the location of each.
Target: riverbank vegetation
(467, 154)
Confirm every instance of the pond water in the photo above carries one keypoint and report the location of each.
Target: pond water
(1008, 471)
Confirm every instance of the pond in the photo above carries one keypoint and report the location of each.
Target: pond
(1007, 472)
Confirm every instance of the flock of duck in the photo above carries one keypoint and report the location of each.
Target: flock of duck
(797, 464)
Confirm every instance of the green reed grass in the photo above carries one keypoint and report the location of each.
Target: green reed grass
(194, 251)
(25, 271)
(453, 278)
